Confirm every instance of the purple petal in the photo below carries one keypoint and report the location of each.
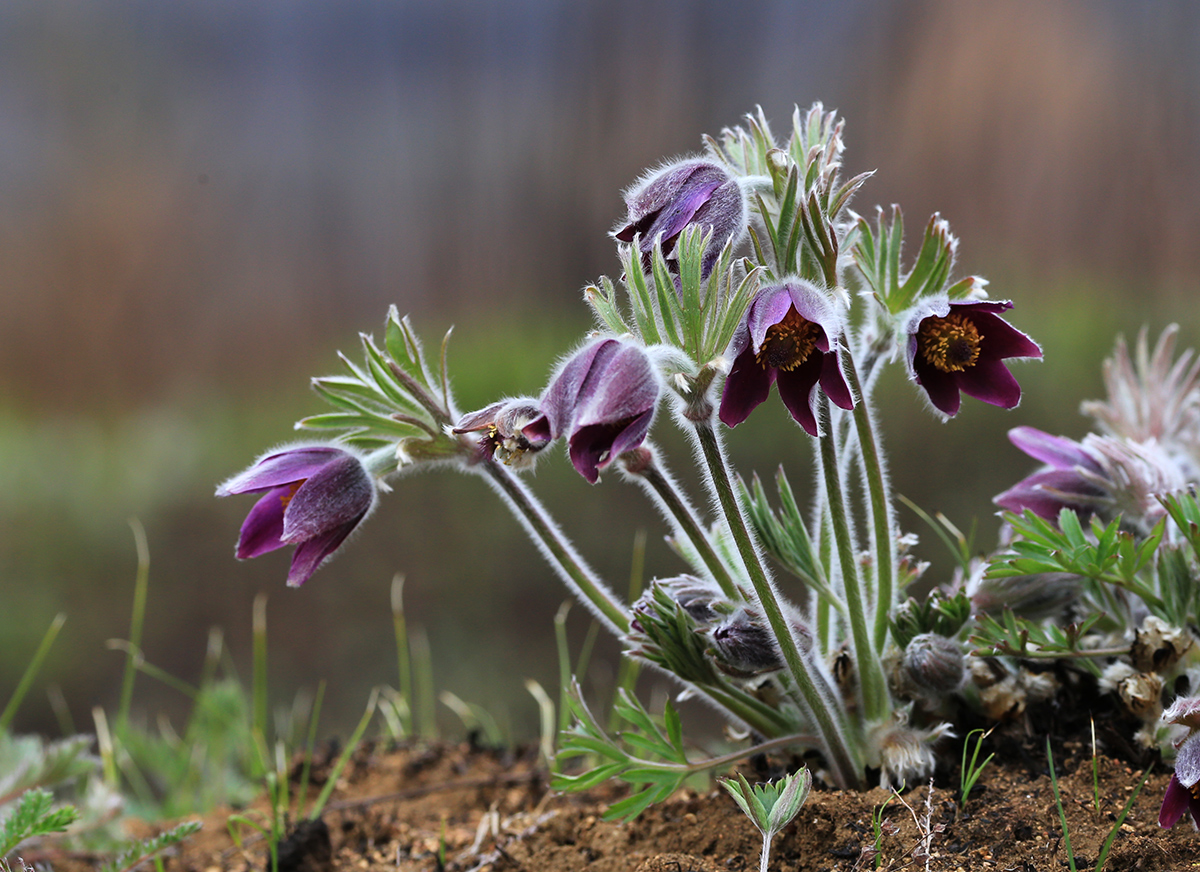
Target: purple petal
(746, 387)
(1176, 801)
(1047, 493)
(1057, 451)
(670, 222)
(1001, 339)
(833, 382)
(813, 305)
(620, 385)
(340, 492)
(940, 387)
(766, 311)
(1187, 762)
(990, 381)
(263, 528)
(595, 446)
(561, 397)
(796, 389)
(285, 467)
(311, 554)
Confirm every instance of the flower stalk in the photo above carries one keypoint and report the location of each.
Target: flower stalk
(817, 704)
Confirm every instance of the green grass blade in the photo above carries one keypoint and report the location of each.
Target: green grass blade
(31, 671)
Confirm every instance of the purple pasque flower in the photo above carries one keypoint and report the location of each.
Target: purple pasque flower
(602, 400)
(1102, 475)
(665, 201)
(501, 432)
(961, 346)
(313, 497)
(789, 338)
(1183, 790)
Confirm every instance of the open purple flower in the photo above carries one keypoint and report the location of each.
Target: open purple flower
(1183, 790)
(961, 346)
(787, 338)
(664, 202)
(314, 497)
(501, 426)
(1102, 475)
(603, 400)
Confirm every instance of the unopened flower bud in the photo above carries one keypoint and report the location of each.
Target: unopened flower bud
(1036, 597)
(602, 399)
(664, 202)
(1157, 646)
(933, 664)
(744, 645)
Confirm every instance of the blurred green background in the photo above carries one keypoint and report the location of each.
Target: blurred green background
(202, 200)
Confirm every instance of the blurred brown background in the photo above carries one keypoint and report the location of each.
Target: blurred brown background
(202, 200)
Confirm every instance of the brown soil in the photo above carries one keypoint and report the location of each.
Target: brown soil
(400, 808)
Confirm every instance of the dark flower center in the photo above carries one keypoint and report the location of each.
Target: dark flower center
(950, 344)
(788, 343)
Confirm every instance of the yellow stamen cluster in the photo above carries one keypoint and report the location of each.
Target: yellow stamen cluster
(788, 343)
(292, 488)
(950, 344)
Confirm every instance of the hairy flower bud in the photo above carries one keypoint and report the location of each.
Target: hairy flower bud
(1031, 596)
(744, 644)
(933, 664)
(603, 400)
(662, 203)
(314, 496)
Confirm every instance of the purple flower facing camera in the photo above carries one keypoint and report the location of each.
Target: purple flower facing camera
(788, 338)
(314, 496)
(961, 346)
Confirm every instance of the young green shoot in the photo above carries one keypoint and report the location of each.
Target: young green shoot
(403, 656)
(1062, 815)
(1095, 770)
(136, 623)
(770, 806)
(35, 664)
(546, 712)
(971, 772)
(878, 827)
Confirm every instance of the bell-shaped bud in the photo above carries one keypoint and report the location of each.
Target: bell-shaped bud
(603, 400)
(665, 201)
(314, 496)
(744, 645)
(501, 429)
(933, 665)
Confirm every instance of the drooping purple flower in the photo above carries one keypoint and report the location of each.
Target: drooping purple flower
(961, 346)
(662, 203)
(788, 338)
(1183, 789)
(314, 496)
(1102, 475)
(603, 400)
(501, 426)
